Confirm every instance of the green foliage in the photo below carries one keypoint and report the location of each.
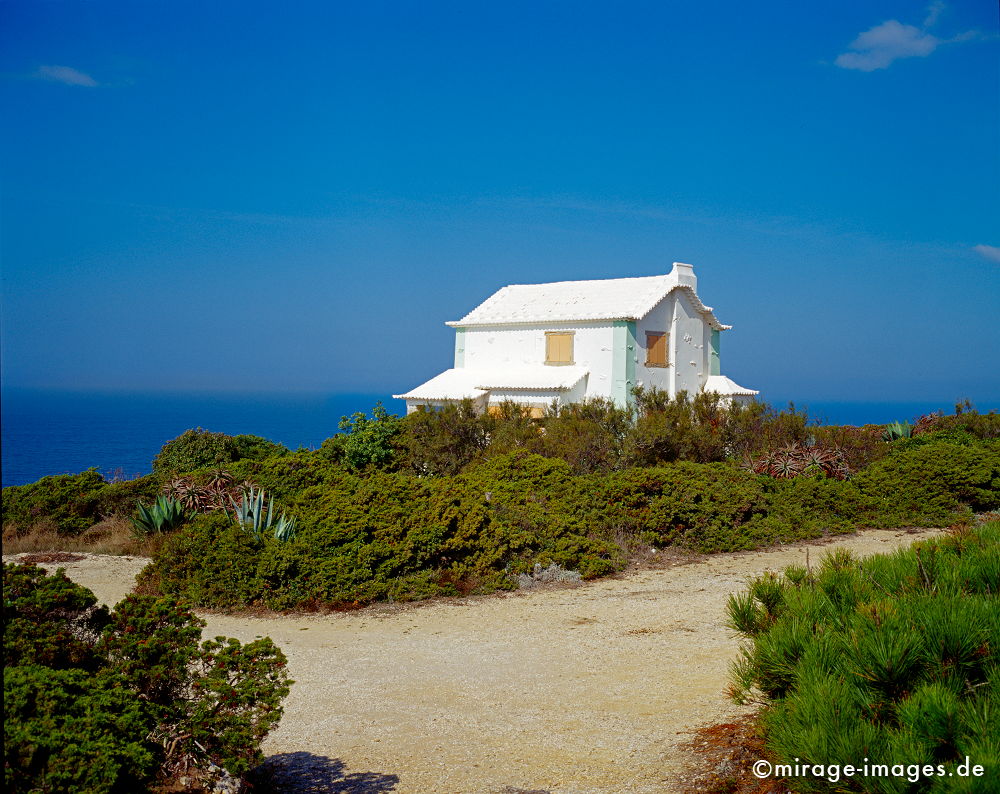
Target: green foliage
(213, 702)
(965, 421)
(200, 449)
(164, 515)
(704, 429)
(72, 731)
(930, 483)
(895, 658)
(69, 502)
(451, 501)
(370, 442)
(445, 441)
(589, 436)
(237, 694)
(48, 620)
(104, 703)
(394, 535)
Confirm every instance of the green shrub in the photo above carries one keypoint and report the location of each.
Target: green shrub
(931, 483)
(73, 731)
(49, 620)
(200, 449)
(370, 442)
(376, 535)
(590, 436)
(70, 502)
(98, 702)
(387, 535)
(444, 441)
(895, 658)
(965, 421)
(703, 429)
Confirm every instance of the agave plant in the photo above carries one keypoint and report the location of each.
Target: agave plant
(252, 514)
(162, 516)
(896, 431)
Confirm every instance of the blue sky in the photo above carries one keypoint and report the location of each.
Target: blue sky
(296, 197)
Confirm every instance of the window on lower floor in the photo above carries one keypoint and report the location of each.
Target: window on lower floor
(656, 349)
(558, 347)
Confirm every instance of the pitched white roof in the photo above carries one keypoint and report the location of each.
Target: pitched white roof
(459, 384)
(726, 387)
(567, 301)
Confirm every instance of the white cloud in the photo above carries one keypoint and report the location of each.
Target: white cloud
(933, 12)
(991, 252)
(883, 44)
(66, 75)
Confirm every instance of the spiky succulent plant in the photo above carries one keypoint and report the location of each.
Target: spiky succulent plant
(163, 515)
(255, 516)
(896, 431)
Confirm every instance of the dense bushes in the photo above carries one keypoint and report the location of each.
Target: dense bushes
(199, 449)
(110, 702)
(926, 483)
(452, 501)
(395, 535)
(894, 659)
(72, 503)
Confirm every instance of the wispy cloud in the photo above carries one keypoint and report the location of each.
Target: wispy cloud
(990, 252)
(934, 10)
(66, 75)
(882, 45)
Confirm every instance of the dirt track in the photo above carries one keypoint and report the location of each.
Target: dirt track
(588, 689)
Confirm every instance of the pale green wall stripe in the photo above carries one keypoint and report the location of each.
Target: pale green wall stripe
(459, 348)
(716, 364)
(623, 363)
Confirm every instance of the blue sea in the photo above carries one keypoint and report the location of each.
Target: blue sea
(48, 432)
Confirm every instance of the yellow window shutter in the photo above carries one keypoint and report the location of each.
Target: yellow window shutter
(558, 348)
(656, 349)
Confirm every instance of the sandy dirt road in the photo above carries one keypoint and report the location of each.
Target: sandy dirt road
(577, 690)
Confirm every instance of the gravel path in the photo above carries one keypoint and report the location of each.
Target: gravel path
(586, 689)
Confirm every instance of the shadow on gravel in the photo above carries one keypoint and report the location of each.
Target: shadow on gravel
(305, 773)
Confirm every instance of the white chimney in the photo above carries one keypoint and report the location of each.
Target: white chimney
(684, 274)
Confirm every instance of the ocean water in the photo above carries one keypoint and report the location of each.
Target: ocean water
(62, 432)
(876, 413)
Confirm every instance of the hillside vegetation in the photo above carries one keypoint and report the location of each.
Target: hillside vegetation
(441, 503)
(892, 660)
(100, 702)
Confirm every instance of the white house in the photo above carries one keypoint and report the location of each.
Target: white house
(572, 340)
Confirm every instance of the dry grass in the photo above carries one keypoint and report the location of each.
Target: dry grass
(721, 757)
(112, 535)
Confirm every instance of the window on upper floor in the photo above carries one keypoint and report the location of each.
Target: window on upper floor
(558, 347)
(656, 349)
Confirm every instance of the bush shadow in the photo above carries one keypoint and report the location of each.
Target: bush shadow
(307, 773)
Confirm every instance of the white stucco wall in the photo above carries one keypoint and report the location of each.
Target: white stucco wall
(507, 347)
(692, 346)
(690, 341)
(659, 320)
